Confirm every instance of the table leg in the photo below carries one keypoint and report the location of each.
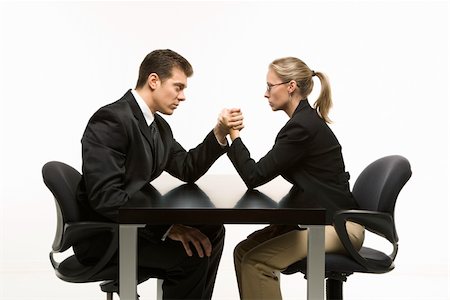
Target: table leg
(128, 261)
(159, 290)
(316, 262)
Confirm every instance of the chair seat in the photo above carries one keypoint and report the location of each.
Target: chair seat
(384, 262)
(112, 286)
(72, 270)
(345, 264)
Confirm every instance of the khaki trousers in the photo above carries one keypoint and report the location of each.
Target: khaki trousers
(259, 259)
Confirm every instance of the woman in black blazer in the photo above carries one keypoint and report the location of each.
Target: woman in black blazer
(307, 154)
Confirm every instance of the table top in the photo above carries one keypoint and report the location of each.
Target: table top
(219, 199)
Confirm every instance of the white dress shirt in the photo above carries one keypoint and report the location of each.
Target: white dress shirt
(149, 118)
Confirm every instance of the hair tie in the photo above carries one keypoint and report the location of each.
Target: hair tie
(313, 73)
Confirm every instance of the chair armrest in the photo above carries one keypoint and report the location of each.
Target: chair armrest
(76, 232)
(379, 223)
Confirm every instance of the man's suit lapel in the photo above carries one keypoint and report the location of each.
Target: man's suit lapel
(139, 116)
(164, 131)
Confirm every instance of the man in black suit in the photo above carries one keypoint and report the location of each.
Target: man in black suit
(125, 146)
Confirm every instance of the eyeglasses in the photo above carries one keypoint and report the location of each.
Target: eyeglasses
(270, 86)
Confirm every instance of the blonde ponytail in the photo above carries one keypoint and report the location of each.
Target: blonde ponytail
(324, 103)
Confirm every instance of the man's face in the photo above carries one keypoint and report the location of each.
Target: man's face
(170, 92)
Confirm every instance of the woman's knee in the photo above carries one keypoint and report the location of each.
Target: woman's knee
(356, 233)
(239, 252)
(243, 248)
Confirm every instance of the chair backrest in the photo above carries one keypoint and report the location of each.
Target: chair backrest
(379, 184)
(62, 180)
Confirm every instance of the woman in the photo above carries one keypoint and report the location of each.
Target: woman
(307, 154)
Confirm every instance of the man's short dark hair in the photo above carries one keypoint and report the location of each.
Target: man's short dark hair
(162, 62)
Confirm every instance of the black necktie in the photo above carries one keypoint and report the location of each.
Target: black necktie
(157, 145)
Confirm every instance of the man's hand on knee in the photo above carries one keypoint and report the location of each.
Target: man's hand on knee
(186, 234)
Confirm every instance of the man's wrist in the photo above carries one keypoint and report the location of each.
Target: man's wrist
(220, 136)
(164, 237)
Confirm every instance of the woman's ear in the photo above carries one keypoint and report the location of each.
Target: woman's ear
(292, 86)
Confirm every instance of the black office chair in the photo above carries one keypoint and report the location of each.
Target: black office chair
(376, 190)
(62, 180)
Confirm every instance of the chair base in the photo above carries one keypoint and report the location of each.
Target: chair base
(110, 287)
(334, 289)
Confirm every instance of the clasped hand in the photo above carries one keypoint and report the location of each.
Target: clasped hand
(230, 121)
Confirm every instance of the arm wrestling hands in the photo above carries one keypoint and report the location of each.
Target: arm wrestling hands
(230, 121)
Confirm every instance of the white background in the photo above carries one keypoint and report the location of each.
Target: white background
(388, 66)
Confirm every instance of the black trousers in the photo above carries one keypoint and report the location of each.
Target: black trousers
(184, 277)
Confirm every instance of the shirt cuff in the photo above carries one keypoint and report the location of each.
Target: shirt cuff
(166, 234)
(229, 140)
(220, 143)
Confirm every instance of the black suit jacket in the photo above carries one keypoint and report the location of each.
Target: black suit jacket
(118, 160)
(307, 154)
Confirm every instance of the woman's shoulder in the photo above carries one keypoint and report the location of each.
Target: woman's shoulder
(294, 129)
(306, 117)
(305, 122)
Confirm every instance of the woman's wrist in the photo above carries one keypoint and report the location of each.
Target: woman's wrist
(234, 134)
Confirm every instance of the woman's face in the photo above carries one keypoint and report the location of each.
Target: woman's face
(276, 92)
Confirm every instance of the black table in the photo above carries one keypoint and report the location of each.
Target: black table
(218, 199)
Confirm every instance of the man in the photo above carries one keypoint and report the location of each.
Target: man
(125, 146)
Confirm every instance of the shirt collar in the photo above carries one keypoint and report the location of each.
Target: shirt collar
(149, 117)
(303, 103)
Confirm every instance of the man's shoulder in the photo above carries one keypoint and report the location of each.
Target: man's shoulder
(121, 102)
(120, 106)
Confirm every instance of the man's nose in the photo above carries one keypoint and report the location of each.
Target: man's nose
(181, 96)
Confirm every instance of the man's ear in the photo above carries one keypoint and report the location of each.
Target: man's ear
(153, 81)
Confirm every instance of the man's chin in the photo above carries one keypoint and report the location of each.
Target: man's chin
(167, 112)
